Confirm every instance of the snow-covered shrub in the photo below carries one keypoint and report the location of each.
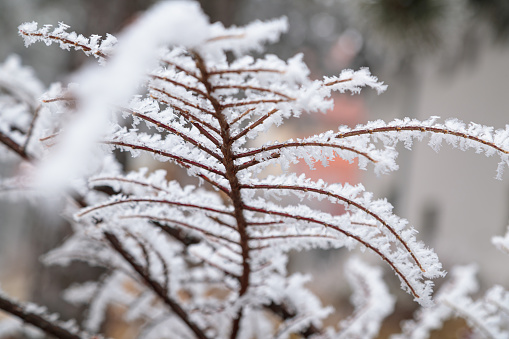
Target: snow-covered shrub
(209, 261)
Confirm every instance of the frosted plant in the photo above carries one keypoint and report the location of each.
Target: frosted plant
(488, 316)
(209, 261)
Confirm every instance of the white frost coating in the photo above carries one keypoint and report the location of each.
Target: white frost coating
(486, 316)
(371, 299)
(240, 40)
(176, 22)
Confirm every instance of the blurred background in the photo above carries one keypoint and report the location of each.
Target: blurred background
(448, 58)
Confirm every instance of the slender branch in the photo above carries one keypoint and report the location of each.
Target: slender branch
(347, 202)
(285, 236)
(275, 155)
(264, 223)
(176, 83)
(244, 70)
(185, 102)
(216, 266)
(14, 146)
(68, 42)
(337, 82)
(158, 201)
(179, 223)
(254, 125)
(437, 130)
(195, 121)
(71, 99)
(254, 102)
(255, 88)
(302, 144)
(182, 69)
(224, 37)
(177, 158)
(346, 233)
(237, 119)
(31, 128)
(130, 181)
(144, 250)
(51, 327)
(154, 285)
(170, 129)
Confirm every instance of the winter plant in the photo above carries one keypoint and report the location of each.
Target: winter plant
(209, 260)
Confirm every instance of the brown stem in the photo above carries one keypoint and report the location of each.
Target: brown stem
(235, 195)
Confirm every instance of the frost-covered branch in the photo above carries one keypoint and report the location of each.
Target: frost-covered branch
(39, 317)
(93, 45)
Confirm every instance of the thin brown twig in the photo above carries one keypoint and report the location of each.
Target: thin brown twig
(255, 88)
(30, 131)
(436, 130)
(278, 147)
(237, 119)
(174, 131)
(164, 154)
(185, 102)
(244, 70)
(254, 102)
(14, 146)
(176, 83)
(180, 224)
(254, 125)
(195, 121)
(157, 201)
(66, 41)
